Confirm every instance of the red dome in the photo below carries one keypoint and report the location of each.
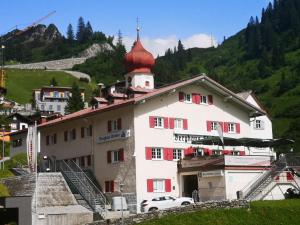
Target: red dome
(139, 60)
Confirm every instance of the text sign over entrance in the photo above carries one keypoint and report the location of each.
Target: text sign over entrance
(212, 173)
(115, 135)
(187, 138)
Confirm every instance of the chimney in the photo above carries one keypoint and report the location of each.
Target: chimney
(100, 87)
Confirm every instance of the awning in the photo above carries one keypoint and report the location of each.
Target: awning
(248, 142)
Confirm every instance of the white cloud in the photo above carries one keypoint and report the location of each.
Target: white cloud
(158, 46)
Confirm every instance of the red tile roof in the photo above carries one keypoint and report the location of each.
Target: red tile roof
(203, 79)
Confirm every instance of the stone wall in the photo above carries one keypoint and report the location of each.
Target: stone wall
(191, 208)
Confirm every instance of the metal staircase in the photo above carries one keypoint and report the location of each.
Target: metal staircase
(259, 187)
(77, 178)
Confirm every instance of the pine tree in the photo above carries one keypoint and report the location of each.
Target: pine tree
(120, 38)
(80, 30)
(88, 32)
(70, 33)
(75, 102)
(180, 47)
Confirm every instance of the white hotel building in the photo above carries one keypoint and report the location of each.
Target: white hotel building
(135, 134)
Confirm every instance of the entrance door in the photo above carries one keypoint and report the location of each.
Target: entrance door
(190, 184)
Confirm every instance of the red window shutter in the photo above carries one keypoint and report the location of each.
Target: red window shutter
(171, 123)
(112, 186)
(108, 157)
(242, 153)
(238, 128)
(230, 152)
(210, 152)
(225, 127)
(185, 124)
(151, 122)
(54, 138)
(166, 122)
(189, 151)
(106, 186)
(289, 176)
(82, 132)
(109, 126)
(194, 98)
(121, 154)
(225, 152)
(181, 96)
(210, 99)
(170, 154)
(168, 185)
(66, 135)
(148, 153)
(119, 123)
(166, 154)
(149, 185)
(208, 125)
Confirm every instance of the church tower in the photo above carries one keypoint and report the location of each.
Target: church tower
(139, 63)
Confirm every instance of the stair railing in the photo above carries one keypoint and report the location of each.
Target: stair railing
(77, 169)
(87, 191)
(277, 167)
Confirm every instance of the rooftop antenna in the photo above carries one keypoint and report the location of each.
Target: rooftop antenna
(137, 29)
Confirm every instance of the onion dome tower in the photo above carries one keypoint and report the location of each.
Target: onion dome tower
(139, 63)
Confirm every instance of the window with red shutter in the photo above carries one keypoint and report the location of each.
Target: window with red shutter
(148, 153)
(209, 125)
(112, 186)
(225, 127)
(108, 156)
(168, 187)
(107, 186)
(54, 138)
(196, 98)
(168, 154)
(149, 185)
(238, 128)
(119, 124)
(151, 121)
(171, 123)
(185, 124)
(210, 99)
(121, 154)
(47, 140)
(166, 122)
(109, 126)
(181, 96)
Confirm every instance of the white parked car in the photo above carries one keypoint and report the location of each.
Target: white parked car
(164, 202)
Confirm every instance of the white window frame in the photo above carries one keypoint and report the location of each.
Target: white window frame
(204, 99)
(178, 124)
(258, 125)
(232, 128)
(157, 153)
(159, 185)
(158, 122)
(214, 125)
(115, 156)
(177, 154)
(187, 98)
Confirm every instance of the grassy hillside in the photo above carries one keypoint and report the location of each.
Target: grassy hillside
(20, 83)
(285, 212)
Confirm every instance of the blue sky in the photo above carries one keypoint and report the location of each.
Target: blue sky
(162, 20)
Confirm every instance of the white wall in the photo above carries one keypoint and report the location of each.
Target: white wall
(168, 105)
(138, 80)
